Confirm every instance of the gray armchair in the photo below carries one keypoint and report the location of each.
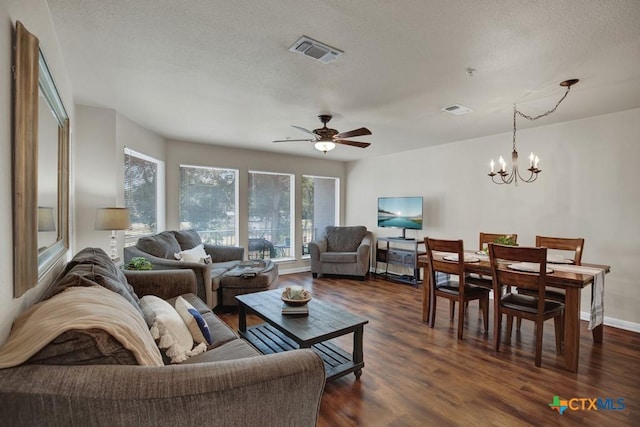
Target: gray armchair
(160, 248)
(342, 251)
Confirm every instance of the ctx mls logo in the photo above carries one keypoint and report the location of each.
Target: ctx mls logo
(587, 404)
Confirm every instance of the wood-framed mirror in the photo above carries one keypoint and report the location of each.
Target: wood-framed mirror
(40, 166)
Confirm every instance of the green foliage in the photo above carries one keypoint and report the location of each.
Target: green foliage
(207, 195)
(139, 263)
(506, 240)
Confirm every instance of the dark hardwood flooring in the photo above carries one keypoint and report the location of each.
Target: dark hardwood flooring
(418, 376)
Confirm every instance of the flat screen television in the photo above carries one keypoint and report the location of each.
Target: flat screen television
(400, 212)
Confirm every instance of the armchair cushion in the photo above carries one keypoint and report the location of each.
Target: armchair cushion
(187, 239)
(161, 245)
(338, 257)
(344, 239)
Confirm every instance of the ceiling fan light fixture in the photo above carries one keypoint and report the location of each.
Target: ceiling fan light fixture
(324, 146)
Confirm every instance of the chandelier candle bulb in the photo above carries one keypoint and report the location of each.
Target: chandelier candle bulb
(531, 159)
(535, 163)
(492, 164)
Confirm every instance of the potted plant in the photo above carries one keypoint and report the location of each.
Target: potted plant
(506, 240)
(139, 263)
(502, 240)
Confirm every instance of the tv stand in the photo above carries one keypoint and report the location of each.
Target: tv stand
(398, 251)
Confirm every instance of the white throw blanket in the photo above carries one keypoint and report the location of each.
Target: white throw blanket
(80, 308)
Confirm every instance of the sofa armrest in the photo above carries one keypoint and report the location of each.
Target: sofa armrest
(162, 283)
(224, 253)
(249, 391)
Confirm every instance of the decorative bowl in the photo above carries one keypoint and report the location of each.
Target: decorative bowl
(300, 299)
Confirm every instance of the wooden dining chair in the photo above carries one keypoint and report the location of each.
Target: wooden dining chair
(536, 308)
(574, 245)
(485, 239)
(454, 289)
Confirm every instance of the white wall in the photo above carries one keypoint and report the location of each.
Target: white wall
(184, 153)
(34, 14)
(102, 135)
(588, 188)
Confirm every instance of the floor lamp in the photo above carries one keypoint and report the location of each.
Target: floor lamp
(113, 219)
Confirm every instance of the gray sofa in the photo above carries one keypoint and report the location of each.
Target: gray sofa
(342, 251)
(160, 248)
(86, 378)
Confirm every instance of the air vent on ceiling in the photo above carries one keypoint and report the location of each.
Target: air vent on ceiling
(315, 50)
(457, 109)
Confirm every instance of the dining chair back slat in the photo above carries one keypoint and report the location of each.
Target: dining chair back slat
(440, 273)
(533, 306)
(575, 245)
(485, 239)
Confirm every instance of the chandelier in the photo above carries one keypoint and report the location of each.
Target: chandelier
(514, 176)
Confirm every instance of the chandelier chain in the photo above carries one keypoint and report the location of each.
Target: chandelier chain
(528, 117)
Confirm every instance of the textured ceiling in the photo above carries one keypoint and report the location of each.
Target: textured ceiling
(220, 72)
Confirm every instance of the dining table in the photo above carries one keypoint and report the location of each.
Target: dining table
(572, 282)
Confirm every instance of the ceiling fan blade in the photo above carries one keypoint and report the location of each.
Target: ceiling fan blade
(304, 130)
(293, 140)
(352, 133)
(352, 143)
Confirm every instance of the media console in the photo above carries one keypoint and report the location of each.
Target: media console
(400, 252)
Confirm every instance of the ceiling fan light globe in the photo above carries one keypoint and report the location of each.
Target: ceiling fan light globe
(324, 146)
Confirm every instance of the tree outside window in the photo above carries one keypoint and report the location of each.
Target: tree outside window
(270, 215)
(208, 203)
(140, 194)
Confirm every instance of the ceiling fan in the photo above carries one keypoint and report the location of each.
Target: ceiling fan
(325, 138)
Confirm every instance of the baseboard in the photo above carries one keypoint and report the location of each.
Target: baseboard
(614, 323)
(293, 270)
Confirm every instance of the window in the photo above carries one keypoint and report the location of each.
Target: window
(208, 203)
(143, 179)
(270, 215)
(319, 207)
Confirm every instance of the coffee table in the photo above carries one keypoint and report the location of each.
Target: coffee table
(283, 332)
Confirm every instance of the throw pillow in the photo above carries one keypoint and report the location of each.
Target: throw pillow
(196, 254)
(170, 331)
(194, 321)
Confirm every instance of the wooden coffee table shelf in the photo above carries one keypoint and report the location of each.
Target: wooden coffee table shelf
(268, 340)
(289, 332)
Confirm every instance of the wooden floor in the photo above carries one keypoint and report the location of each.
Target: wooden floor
(417, 376)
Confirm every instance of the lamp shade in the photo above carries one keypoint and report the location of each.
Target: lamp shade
(113, 219)
(324, 146)
(46, 221)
